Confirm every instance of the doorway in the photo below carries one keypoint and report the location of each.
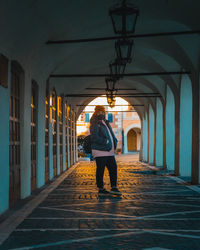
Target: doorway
(132, 140)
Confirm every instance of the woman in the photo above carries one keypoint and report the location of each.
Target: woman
(103, 144)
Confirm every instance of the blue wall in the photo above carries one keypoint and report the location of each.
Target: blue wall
(185, 127)
(151, 135)
(144, 138)
(4, 149)
(170, 129)
(159, 133)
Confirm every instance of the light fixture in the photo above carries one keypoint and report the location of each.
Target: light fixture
(117, 68)
(123, 48)
(124, 18)
(111, 92)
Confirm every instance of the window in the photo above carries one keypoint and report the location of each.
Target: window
(110, 117)
(87, 117)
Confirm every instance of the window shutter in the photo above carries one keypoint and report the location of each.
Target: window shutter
(110, 117)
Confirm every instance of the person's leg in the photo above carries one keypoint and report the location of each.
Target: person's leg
(112, 168)
(101, 163)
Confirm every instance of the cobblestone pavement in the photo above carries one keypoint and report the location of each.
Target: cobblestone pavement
(154, 212)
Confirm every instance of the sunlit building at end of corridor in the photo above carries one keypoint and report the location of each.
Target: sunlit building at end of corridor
(123, 119)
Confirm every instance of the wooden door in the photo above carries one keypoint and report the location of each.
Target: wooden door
(54, 120)
(132, 140)
(66, 136)
(46, 138)
(60, 114)
(14, 138)
(33, 136)
(70, 137)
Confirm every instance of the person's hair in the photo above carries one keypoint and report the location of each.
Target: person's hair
(99, 108)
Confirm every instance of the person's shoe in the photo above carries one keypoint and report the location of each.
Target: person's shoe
(115, 190)
(103, 191)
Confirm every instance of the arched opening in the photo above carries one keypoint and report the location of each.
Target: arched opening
(122, 119)
(133, 140)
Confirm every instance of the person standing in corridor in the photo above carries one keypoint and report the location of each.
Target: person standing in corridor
(103, 144)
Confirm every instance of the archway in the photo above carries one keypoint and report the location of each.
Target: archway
(132, 140)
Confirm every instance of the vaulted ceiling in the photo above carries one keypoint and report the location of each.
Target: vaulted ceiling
(27, 25)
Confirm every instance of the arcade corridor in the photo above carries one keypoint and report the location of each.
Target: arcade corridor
(58, 56)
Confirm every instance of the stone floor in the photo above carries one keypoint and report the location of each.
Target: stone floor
(154, 212)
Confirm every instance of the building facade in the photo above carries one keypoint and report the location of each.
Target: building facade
(126, 126)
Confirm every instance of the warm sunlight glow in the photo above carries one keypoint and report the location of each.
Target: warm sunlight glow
(103, 101)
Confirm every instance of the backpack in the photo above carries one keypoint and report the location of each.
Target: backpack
(87, 145)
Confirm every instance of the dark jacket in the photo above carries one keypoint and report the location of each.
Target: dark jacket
(100, 135)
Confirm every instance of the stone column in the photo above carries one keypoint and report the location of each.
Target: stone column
(25, 132)
(195, 129)
(177, 133)
(164, 138)
(154, 152)
(41, 136)
(148, 135)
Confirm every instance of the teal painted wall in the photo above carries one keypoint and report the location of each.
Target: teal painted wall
(185, 127)
(4, 149)
(170, 129)
(199, 127)
(159, 133)
(151, 135)
(144, 138)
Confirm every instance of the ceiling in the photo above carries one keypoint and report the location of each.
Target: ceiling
(27, 25)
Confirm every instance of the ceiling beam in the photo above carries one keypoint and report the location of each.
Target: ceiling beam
(112, 111)
(138, 96)
(127, 74)
(82, 105)
(124, 94)
(99, 39)
(106, 89)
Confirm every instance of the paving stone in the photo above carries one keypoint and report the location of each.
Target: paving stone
(154, 212)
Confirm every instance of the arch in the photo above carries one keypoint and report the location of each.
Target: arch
(132, 126)
(132, 140)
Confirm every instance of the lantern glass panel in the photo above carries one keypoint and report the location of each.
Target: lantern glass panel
(117, 23)
(124, 50)
(110, 83)
(124, 19)
(130, 23)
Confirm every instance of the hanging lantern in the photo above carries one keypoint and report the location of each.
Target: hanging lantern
(111, 92)
(117, 69)
(124, 18)
(110, 83)
(123, 48)
(111, 98)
